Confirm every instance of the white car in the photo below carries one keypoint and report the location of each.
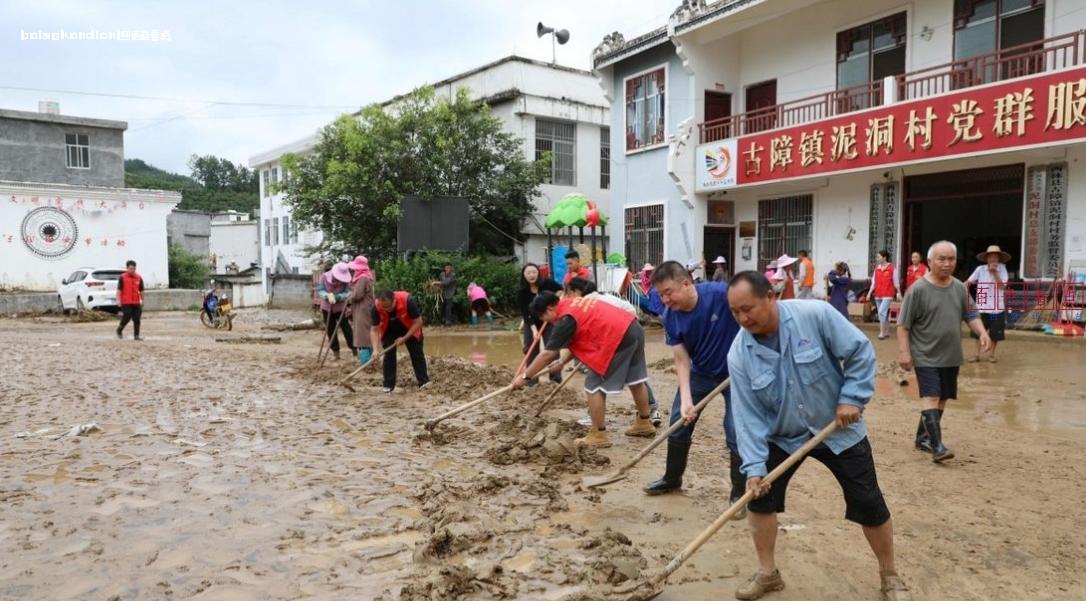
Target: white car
(89, 288)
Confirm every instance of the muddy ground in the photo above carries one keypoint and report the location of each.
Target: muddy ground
(236, 472)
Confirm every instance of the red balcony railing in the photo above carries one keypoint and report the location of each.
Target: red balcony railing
(1050, 54)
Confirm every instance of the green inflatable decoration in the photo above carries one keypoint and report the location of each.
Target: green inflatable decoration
(616, 259)
(572, 211)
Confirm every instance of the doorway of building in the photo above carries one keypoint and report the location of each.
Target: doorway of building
(761, 107)
(973, 208)
(719, 241)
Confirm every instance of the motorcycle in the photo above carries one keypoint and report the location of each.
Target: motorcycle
(217, 313)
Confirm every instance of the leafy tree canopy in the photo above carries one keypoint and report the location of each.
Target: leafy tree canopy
(215, 185)
(350, 185)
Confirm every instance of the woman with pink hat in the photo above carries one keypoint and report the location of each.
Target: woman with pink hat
(784, 280)
(720, 273)
(361, 303)
(333, 289)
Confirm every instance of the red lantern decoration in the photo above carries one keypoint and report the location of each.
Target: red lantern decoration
(592, 217)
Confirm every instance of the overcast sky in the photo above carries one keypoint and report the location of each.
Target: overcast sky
(320, 57)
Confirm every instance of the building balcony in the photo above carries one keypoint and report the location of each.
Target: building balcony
(1051, 54)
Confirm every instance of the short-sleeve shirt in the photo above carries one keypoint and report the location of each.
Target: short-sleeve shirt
(989, 296)
(707, 331)
(395, 326)
(933, 317)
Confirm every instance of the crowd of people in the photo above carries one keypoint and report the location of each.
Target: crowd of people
(795, 363)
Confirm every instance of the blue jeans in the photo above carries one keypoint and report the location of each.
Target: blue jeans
(699, 387)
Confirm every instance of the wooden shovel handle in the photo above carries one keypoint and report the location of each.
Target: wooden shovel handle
(430, 423)
(550, 397)
(679, 423)
(372, 360)
(742, 502)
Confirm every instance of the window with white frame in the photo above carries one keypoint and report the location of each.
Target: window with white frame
(267, 232)
(275, 231)
(644, 235)
(294, 231)
(77, 148)
(275, 176)
(645, 110)
(286, 230)
(560, 139)
(267, 182)
(605, 158)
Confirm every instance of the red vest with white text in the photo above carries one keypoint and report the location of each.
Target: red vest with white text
(600, 328)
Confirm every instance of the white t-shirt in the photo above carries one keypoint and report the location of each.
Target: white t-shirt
(989, 296)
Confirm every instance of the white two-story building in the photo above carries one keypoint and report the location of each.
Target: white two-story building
(553, 108)
(754, 128)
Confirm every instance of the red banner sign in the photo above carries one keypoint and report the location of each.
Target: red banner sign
(1031, 111)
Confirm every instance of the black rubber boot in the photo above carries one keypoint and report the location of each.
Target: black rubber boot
(939, 453)
(922, 442)
(677, 453)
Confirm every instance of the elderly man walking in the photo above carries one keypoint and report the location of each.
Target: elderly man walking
(929, 338)
(796, 366)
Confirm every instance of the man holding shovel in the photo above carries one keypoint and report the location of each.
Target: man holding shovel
(700, 330)
(397, 320)
(796, 367)
(610, 343)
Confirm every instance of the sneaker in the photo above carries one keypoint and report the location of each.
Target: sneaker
(137, 338)
(424, 385)
(586, 420)
(654, 416)
(759, 585)
(595, 438)
(893, 588)
(387, 390)
(641, 427)
(335, 355)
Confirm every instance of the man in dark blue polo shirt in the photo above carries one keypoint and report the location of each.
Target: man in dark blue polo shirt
(700, 329)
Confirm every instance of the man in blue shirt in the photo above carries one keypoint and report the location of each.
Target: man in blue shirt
(797, 366)
(700, 329)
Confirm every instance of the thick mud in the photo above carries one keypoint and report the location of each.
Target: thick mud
(238, 472)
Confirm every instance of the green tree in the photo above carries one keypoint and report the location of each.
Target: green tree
(186, 269)
(216, 184)
(351, 184)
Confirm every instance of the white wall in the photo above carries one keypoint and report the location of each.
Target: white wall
(235, 241)
(121, 224)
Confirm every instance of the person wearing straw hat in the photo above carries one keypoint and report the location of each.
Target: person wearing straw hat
(784, 280)
(646, 277)
(333, 289)
(361, 305)
(771, 270)
(720, 274)
(990, 279)
(796, 366)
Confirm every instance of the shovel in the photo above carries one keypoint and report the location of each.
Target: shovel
(372, 360)
(650, 589)
(430, 423)
(620, 473)
(550, 397)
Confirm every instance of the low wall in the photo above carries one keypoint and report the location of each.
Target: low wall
(290, 291)
(153, 300)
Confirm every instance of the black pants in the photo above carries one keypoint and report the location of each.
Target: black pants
(528, 337)
(330, 320)
(131, 313)
(447, 308)
(418, 360)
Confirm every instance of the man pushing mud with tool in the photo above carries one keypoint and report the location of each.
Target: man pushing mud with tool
(700, 330)
(796, 367)
(610, 343)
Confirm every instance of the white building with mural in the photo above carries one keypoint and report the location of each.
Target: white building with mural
(63, 204)
(756, 128)
(552, 108)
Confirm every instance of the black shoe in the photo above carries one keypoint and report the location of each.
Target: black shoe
(939, 453)
(923, 443)
(137, 338)
(120, 336)
(677, 452)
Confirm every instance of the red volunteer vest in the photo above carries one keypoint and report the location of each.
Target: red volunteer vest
(580, 273)
(915, 273)
(130, 289)
(400, 298)
(884, 282)
(600, 328)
